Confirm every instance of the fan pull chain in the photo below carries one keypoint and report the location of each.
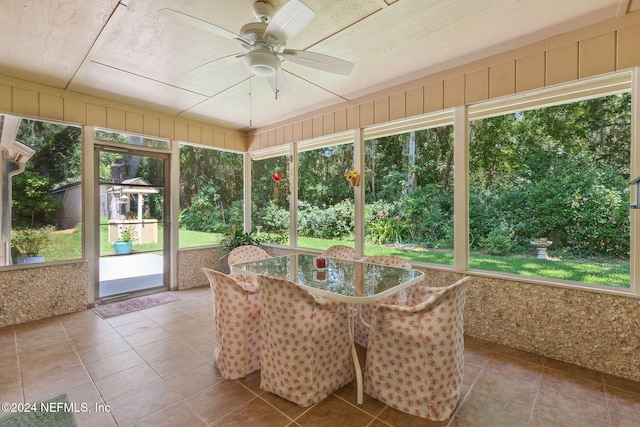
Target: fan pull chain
(250, 105)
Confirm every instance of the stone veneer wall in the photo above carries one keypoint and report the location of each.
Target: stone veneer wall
(191, 261)
(36, 293)
(590, 329)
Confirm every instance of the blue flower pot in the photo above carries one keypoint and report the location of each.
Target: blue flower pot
(122, 248)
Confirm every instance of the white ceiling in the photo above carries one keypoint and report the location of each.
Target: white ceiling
(126, 51)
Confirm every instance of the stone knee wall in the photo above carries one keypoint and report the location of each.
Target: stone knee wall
(40, 292)
(590, 329)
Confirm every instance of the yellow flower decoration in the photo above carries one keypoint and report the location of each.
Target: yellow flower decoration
(354, 174)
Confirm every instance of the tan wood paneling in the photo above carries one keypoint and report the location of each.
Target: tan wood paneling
(502, 79)
(181, 132)
(415, 101)
(219, 139)
(288, 134)
(280, 136)
(454, 91)
(96, 115)
(271, 138)
(116, 119)
(397, 106)
(366, 114)
(297, 131)
(207, 137)
(195, 134)
(628, 47)
(328, 124)
(381, 110)
(51, 106)
(434, 97)
(598, 55)
(152, 126)
(318, 126)
(562, 64)
(25, 102)
(5, 98)
(167, 128)
(135, 123)
(530, 72)
(477, 86)
(75, 111)
(340, 120)
(307, 129)
(353, 117)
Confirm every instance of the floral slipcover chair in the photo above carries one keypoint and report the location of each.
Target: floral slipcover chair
(366, 310)
(242, 254)
(415, 357)
(305, 343)
(246, 253)
(236, 314)
(340, 252)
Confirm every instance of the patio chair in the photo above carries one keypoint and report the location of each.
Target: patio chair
(340, 252)
(242, 254)
(361, 330)
(306, 345)
(236, 327)
(415, 357)
(246, 253)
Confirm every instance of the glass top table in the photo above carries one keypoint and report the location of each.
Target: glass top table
(348, 281)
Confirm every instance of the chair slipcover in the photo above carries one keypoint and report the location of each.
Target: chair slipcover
(361, 332)
(236, 314)
(305, 343)
(246, 253)
(415, 358)
(340, 252)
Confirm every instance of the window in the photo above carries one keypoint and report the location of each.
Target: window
(211, 189)
(270, 197)
(549, 191)
(41, 198)
(325, 198)
(409, 195)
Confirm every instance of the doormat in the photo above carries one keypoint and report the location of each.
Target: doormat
(133, 304)
(50, 413)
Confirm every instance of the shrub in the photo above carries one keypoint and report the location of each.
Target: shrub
(499, 241)
(333, 222)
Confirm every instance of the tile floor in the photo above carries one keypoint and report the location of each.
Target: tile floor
(154, 368)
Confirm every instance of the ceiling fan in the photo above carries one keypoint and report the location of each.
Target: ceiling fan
(266, 41)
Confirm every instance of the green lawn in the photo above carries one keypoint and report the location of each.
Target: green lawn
(607, 273)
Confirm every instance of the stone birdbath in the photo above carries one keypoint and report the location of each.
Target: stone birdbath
(541, 246)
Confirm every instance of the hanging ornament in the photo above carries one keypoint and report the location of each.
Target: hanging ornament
(277, 176)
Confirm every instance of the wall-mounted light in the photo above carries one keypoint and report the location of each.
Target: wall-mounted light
(636, 182)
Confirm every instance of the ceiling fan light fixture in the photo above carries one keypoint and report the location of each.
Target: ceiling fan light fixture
(261, 62)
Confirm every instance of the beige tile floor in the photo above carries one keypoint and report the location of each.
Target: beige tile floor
(154, 368)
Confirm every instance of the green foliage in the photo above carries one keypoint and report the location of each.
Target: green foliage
(30, 241)
(329, 223)
(384, 224)
(428, 213)
(32, 201)
(236, 237)
(204, 213)
(273, 218)
(127, 234)
(499, 241)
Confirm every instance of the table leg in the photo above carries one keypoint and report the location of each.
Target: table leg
(354, 356)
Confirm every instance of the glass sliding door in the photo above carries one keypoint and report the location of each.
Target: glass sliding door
(133, 250)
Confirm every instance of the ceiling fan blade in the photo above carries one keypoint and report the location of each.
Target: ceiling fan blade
(198, 23)
(279, 82)
(288, 21)
(318, 61)
(217, 63)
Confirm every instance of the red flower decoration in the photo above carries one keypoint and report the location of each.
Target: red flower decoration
(277, 176)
